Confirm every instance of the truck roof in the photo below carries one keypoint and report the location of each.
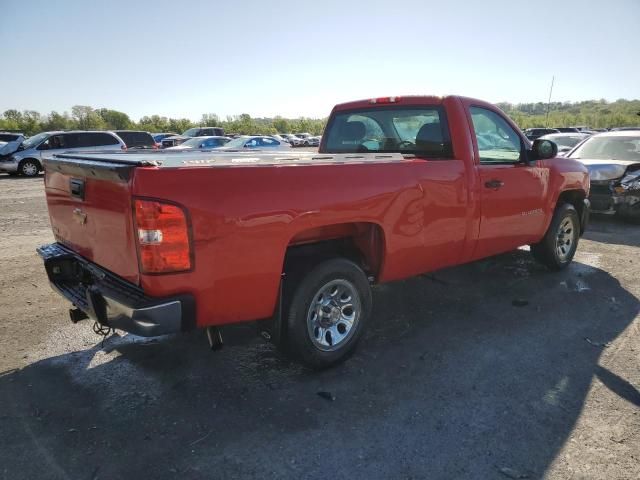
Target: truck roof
(409, 100)
(399, 100)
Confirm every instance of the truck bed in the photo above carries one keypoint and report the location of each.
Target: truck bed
(174, 159)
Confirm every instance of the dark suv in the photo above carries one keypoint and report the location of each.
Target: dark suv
(136, 139)
(533, 133)
(192, 132)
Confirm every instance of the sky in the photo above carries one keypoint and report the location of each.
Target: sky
(300, 58)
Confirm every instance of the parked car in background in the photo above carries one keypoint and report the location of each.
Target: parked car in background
(533, 133)
(136, 139)
(613, 161)
(205, 239)
(257, 142)
(280, 138)
(565, 141)
(311, 141)
(201, 143)
(10, 143)
(158, 137)
(624, 129)
(292, 139)
(10, 136)
(567, 129)
(192, 132)
(27, 160)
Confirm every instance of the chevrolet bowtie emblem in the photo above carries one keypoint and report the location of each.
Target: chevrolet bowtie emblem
(79, 216)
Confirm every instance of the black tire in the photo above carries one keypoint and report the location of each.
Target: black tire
(549, 250)
(341, 274)
(29, 167)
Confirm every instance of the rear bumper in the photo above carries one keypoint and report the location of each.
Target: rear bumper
(110, 300)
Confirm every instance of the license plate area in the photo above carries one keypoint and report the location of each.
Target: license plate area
(67, 269)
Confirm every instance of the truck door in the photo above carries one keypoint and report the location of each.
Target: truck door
(512, 191)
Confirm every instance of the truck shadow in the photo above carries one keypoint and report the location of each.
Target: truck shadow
(462, 372)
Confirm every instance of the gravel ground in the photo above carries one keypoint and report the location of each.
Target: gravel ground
(453, 380)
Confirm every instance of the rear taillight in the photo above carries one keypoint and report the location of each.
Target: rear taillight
(162, 236)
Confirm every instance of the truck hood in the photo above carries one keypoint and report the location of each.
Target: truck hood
(601, 170)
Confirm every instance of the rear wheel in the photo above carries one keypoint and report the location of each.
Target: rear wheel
(557, 248)
(328, 313)
(29, 168)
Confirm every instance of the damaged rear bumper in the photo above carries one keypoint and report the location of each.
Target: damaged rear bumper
(112, 301)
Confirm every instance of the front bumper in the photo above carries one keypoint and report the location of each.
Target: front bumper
(112, 301)
(607, 200)
(8, 166)
(586, 212)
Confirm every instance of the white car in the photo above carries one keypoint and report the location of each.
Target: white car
(293, 140)
(312, 141)
(565, 141)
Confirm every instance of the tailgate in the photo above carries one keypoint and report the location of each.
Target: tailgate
(90, 211)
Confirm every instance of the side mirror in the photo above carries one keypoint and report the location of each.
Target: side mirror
(543, 149)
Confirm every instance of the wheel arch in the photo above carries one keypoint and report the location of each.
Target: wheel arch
(36, 160)
(575, 197)
(362, 242)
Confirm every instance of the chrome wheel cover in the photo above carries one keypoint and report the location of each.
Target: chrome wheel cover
(565, 239)
(333, 315)
(29, 169)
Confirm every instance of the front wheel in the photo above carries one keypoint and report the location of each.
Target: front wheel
(29, 168)
(557, 248)
(328, 313)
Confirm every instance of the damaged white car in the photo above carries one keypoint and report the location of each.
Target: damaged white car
(613, 160)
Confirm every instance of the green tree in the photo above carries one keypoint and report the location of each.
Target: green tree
(87, 118)
(115, 120)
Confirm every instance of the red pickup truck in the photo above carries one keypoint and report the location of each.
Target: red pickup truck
(160, 242)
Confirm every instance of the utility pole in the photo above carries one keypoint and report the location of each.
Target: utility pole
(549, 102)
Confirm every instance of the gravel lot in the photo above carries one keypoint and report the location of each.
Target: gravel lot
(452, 381)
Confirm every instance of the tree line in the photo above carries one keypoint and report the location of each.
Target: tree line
(592, 113)
(84, 117)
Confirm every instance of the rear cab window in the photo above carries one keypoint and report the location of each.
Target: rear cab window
(421, 131)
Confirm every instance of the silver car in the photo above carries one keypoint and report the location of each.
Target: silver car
(27, 160)
(255, 142)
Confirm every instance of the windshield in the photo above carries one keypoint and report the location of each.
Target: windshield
(565, 140)
(237, 143)
(192, 132)
(35, 140)
(389, 129)
(609, 148)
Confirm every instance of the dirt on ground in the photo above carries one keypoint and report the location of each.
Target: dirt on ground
(497, 369)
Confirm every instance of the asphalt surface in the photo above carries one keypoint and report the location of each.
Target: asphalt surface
(498, 369)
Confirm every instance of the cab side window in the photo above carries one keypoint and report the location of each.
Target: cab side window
(497, 141)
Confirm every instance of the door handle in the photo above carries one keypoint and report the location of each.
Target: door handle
(495, 184)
